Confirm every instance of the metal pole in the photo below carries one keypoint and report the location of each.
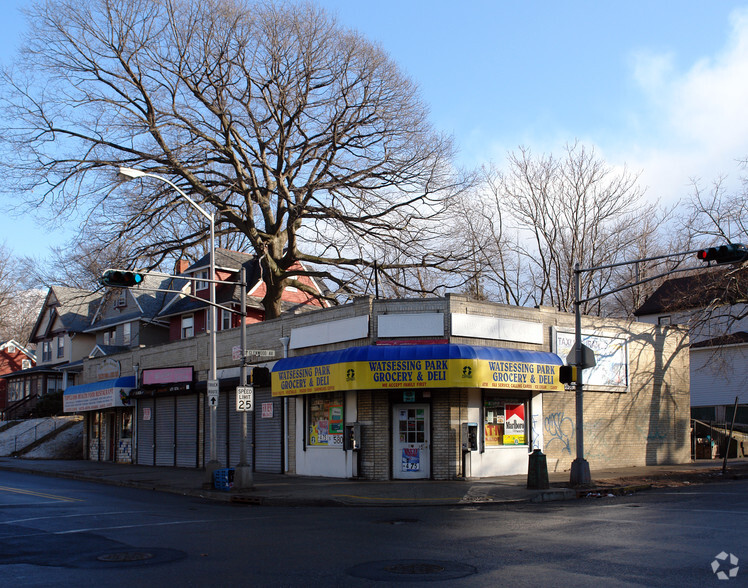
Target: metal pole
(243, 472)
(580, 468)
(213, 464)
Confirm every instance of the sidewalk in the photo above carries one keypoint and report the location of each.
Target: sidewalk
(292, 490)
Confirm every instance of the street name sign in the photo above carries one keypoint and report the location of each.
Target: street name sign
(236, 353)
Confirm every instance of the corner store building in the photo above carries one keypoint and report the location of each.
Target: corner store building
(428, 388)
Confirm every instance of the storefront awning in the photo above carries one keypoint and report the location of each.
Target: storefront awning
(98, 395)
(375, 367)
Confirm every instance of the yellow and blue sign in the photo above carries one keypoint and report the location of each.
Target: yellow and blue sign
(417, 366)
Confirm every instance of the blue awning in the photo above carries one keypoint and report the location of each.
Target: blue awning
(405, 366)
(98, 395)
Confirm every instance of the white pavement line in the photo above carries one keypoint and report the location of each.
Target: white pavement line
(70, 516)
(162, 524)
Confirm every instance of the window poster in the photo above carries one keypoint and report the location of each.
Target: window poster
(325, 421)
(411, 459)
(514, 424)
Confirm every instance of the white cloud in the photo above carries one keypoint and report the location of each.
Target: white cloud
(695, 123)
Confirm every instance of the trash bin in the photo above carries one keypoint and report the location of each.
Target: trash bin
(537, 471)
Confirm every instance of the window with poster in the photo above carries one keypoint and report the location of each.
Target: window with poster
(126, 429)
(505, 421)
(325, 420)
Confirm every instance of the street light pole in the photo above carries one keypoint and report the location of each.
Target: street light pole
(131, 173)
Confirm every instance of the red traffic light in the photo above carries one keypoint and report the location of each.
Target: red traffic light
(733, 253)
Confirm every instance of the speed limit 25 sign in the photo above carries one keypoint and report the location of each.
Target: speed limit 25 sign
(245, 398)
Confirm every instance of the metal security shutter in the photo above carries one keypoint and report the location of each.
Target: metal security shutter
(165, 408)
(235, 432)
(187, 431)
(268, 447)
(144, 449)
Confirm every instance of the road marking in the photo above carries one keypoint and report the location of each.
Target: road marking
(40, 494)
(75, 515)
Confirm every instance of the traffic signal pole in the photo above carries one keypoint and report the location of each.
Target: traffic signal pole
(580, 468)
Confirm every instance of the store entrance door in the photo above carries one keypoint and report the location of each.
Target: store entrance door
(411, 455)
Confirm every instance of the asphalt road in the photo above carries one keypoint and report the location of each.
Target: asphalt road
(56, 532)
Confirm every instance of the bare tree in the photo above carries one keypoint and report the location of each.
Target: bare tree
(554, 212)
(303, 136)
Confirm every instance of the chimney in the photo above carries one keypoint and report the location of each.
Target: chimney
(182, 265)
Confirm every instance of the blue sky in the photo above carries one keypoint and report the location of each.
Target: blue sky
(660, 87)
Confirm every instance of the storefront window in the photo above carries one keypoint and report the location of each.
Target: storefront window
(325, 420)
(126, 430)
(505, 422)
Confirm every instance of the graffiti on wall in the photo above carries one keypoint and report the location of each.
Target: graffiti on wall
(559, 430)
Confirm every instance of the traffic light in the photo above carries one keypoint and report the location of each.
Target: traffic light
(567, 374)
(733, 253)
(261, 377)
(120, 279)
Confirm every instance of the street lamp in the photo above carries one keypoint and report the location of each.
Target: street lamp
(129, 174)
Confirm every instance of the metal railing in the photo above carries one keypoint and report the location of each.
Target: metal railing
(34, 429)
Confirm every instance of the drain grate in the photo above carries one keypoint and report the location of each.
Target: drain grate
(411, 570)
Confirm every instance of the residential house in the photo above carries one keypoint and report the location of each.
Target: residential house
(711, 304)
(145, 317)
(13, 358)
(189, 315)
(61, 344)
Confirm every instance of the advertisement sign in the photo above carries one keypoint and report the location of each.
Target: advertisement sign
(417, 373)
(514, 424)
(611, 357)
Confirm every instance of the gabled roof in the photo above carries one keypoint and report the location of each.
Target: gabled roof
(104, 350)
(27, 352)
(73, 307)
(728, 286)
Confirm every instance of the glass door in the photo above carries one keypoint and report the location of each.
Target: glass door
(411, 456)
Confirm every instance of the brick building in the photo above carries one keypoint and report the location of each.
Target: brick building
(434, 388)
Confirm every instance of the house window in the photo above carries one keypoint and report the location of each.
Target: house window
(53, 384)
(11, 348)
(126, 334)
(25, 364)
(325, 420)
(110, 337)
(225, 319)
(60, 346)
(201, 284)
(188, 326)
(121, 299)
(664, 320)
(505, 422)
(46, 351)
